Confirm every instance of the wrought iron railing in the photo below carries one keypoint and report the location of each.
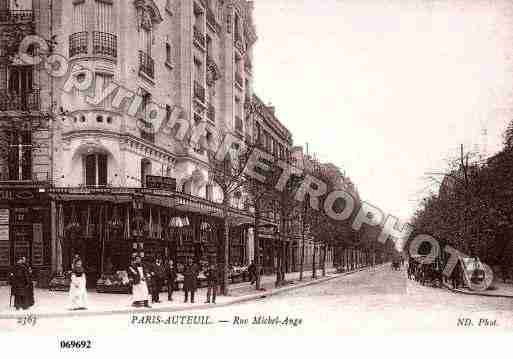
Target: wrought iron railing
(199, 91)
(16, 16)
(105, 44)
(211, 112)
(199, 37)
(10, 101)
(78, 43)
(146, 64)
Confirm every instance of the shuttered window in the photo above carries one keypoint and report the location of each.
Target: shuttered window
(145, 41)
(103, 17)
(79, 17)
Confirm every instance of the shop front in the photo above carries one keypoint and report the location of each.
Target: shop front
(24, 230)
(105, 227)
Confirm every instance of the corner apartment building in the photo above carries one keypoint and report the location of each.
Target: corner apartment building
(114, 183)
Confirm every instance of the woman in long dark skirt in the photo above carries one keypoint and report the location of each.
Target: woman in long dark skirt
(21, 285)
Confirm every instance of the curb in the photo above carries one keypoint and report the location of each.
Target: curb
(479, 294)
(237, 300)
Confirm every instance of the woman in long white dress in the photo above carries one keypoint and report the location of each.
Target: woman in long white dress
(138, 278)
(77, 288)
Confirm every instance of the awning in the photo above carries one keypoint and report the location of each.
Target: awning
(91, 197)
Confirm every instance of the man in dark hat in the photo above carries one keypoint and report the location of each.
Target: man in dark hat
(190, 278)
(21, 285)
(252, 272)
(157, 278)
(212, 275)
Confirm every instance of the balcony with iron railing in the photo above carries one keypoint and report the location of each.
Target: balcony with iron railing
(78, 44)
(146, 64)
(16, 16)
(105, 44)
(12, 101)
(199, 92)
(199, 37)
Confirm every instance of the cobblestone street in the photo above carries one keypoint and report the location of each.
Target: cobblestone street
(375, 301)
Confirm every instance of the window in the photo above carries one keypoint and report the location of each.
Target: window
(198, 71)
(103, 17)
(145, 171)
(168, 53)
(20, 155)
(145, 41)
(258, 133)
(237, 28)
(103, 81)
(79, 17)
(209, 47)
(169, 6)
(95, 166)
(146, 127)
(20, 80)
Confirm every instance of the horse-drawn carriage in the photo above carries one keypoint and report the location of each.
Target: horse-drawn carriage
(424, 271)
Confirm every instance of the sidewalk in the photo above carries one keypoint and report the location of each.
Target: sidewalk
(498, 289)
(56, 304)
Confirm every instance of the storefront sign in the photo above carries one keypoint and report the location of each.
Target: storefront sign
(5, 257)
(10, 195)
(159, 182)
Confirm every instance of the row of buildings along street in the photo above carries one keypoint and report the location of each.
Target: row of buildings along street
(88, 179)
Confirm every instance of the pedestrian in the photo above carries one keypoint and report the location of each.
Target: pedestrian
(190, 278)
(30, 289)
(504, 271)
(137, 276)
(212, 275)
(171, 279)
(77, 288)
(21, 285)
(455, 276)
(157, 279)
(252, 272)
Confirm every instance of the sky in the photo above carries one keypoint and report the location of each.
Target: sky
(389, 89)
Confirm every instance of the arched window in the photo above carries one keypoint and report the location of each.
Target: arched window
(95, 169)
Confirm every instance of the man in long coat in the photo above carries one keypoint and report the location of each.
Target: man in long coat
(171, 279)
(21, 285)
(190, 278)
(212, 275)
(157, 279)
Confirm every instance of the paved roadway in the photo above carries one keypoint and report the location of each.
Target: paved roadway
(377, 301)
